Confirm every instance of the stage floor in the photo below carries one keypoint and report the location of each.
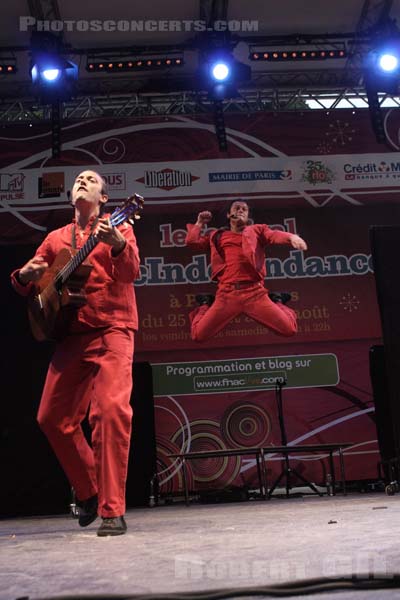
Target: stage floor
(203, 547)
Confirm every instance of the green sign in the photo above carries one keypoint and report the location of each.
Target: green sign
(244, 374)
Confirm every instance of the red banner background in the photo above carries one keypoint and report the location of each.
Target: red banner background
(332, 284)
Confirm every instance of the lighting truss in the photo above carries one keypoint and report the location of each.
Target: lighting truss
(129, 105)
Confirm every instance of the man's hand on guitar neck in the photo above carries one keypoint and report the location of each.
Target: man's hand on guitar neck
(32, 270)
(110, 235)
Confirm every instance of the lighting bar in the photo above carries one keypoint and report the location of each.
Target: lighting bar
(137, 64)
(296, 54)
(7, 68)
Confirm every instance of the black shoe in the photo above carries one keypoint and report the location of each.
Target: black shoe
(87, 510)
(282, 297)
(112, 526)
(205, 299)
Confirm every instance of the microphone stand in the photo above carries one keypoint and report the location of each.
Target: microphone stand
(287, 472)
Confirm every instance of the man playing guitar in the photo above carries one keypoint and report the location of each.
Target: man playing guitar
(91, 368)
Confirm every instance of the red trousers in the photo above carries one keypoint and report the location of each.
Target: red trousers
(230, 302)
(91, 371)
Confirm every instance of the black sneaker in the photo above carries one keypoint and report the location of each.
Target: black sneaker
(282, 297)
(112, 526)
(204, 299)
(87, 511)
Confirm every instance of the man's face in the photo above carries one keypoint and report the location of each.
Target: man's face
(88, 188)
(239, 211)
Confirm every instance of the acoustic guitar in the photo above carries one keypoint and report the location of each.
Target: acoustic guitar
(60, 291)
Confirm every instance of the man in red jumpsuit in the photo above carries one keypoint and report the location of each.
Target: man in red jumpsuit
(92, 366)
(238, 265)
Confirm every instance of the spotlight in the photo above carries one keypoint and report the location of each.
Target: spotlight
(53, 77)
(220, 74)
(382, 70)
(388, 62)
(220, 71)
(51, 74)
(381, 74)
(382, 63)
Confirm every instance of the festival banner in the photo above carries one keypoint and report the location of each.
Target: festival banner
(320, 175)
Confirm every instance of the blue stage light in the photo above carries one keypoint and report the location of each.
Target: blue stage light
(51, 74)
(220, 71)
(220, 74)
(388, 62)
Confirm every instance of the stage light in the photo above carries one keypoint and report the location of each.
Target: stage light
(220, 74)
(220, 71)
(51, 74)
(382, 68)
(382, 62)
(119, 64)
(53, 77)
(381, 75)
(300, 53)
(388, 62)
(7, 68)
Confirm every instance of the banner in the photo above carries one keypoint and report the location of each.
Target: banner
(262, 373)
(320, 175)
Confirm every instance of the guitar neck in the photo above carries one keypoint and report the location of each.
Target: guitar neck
(131, 206)
(76, 260)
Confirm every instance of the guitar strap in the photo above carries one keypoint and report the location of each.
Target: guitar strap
(73, 236)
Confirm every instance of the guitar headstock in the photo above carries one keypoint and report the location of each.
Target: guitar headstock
(129, 211)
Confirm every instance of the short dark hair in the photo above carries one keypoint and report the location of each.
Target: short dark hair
(238, 200)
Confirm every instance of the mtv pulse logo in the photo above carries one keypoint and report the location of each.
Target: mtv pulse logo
(12, 182)
(316, 172)
(372, 170)
(167, 179)
(12, 186)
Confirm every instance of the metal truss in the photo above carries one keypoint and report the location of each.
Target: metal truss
(122, 106)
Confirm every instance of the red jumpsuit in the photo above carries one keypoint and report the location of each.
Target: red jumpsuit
(238, 264)
(92, 369)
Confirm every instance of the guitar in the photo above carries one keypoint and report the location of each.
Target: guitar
(59, 292)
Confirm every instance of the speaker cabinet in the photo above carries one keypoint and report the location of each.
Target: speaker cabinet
(142, 457)
(384, 424)
(385, 364)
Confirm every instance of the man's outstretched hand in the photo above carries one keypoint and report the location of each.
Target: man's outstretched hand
(298, 242)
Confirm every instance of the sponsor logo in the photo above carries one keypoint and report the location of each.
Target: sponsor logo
(315, 172)
(12, 182)
(12, 186)
(115, 181)
(51, 185)
(250, 176)
(167, 179)
(372, 170)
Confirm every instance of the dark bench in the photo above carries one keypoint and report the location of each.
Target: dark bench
(262, 455)
(257, 452)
